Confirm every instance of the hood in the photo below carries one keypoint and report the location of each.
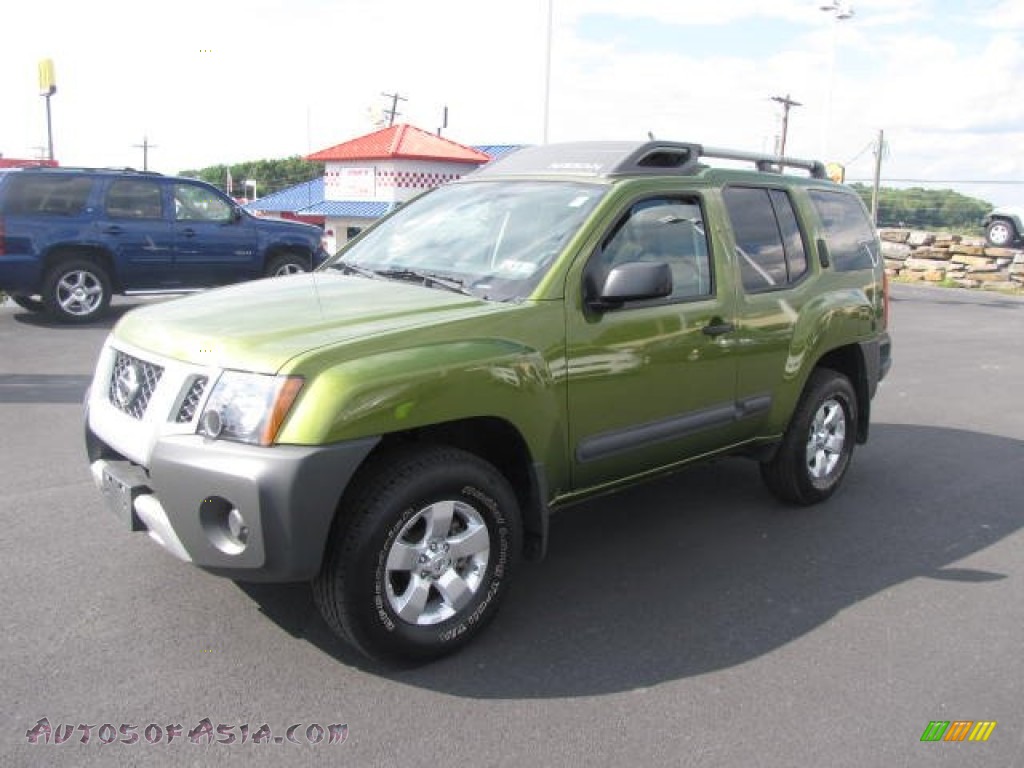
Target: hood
(260, 325)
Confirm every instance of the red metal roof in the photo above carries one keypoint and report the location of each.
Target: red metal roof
(401, 141)
(13, 162)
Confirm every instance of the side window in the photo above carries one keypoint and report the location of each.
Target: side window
(666, 230)
(851, 238)
(769, 247)
(195, 203)
(30, 194)
(134, 199)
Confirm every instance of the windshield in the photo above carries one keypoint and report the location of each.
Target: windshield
(495, 240)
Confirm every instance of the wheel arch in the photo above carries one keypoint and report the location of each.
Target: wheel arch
(849, 361)
(96, 253)
(287, 249)
(497, 442)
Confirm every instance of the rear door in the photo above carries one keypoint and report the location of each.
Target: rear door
(772, 254)
(134, 226)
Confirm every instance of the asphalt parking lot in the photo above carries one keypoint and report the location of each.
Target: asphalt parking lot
(693, 621)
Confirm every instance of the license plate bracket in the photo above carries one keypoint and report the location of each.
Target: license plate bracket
(120, 488)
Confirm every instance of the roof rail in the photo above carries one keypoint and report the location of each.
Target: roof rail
(110, 169)
(622, 158)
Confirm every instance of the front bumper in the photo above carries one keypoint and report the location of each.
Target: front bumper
(285, 496)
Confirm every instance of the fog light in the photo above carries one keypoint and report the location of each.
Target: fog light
(224, 525)
(211, 424)
(236, 526)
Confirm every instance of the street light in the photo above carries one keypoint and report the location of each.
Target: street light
(840, 11)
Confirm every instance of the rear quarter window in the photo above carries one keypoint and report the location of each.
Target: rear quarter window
(852, 241)
(29, 195)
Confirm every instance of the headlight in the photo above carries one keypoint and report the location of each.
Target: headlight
(248, 407)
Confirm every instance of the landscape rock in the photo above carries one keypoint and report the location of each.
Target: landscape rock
(893, 250)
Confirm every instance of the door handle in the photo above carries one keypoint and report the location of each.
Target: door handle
(113, 229)
(717, 328)
(188, 232)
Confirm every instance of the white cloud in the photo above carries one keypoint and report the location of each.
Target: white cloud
(213, 82)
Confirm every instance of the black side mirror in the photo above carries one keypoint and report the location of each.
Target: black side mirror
(633, 281)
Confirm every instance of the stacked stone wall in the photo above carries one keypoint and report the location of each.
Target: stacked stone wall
(941, 257)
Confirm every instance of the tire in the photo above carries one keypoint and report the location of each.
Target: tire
(76, 291)
(27, 302)
(286, 264)
(1001, 233)
(816, 450)
(421, 557)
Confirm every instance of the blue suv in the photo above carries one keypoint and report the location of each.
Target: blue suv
(72, 237)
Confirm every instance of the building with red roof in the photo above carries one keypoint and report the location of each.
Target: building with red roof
(368, 176)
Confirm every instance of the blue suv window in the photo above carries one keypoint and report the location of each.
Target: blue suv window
(33, 194)
(195, 203)
(131, 199)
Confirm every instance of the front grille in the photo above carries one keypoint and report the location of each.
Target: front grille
(132, 383)
(189, 403)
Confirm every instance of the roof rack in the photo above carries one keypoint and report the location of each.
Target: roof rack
(124, 169)
(622, 158)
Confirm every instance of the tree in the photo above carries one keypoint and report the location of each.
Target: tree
(926, 208)
(269, 175)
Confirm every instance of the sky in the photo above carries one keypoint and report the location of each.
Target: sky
(219, 81)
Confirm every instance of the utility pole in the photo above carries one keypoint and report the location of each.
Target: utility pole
(145, 146)
(444, 120)
(787, 103)
(393, 112)
(879, 148)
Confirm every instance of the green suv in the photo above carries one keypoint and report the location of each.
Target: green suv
(398, 425)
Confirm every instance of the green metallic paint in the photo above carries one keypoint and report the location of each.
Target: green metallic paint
(384, 357)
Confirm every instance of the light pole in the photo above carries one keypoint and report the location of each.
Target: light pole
(547, 75)
(839, 11)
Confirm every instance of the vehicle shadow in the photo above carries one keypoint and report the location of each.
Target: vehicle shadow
(703, 570)
(114, 313)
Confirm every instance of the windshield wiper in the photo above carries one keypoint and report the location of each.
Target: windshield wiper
(354, 269)
(429, 280)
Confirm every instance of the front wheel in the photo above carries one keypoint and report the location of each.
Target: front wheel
(421, 559)
(76, 291)
(288, 264)
(1000, 233)
(816, 449)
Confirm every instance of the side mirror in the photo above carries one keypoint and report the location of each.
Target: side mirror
(236, 214)
(633, 281)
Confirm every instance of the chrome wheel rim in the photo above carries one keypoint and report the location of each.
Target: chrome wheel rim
(288, 269)
(79, 292)
(999, 234)
(826, 440)
(437, 563)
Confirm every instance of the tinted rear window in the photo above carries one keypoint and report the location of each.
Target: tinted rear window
(30, 194)
(852, 242)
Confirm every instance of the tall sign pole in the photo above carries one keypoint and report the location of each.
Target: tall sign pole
(48, 87)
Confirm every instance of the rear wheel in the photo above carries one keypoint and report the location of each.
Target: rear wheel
(422, 558)
(76, 291)
(816, 449)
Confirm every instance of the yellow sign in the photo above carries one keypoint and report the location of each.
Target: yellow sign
(47, 78)
(836, 172)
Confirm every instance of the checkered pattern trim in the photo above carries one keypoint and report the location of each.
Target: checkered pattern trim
(414, 179)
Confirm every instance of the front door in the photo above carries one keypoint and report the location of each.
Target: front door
(212, 245)
(652, 383)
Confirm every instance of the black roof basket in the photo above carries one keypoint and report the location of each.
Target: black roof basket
(624, 158)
